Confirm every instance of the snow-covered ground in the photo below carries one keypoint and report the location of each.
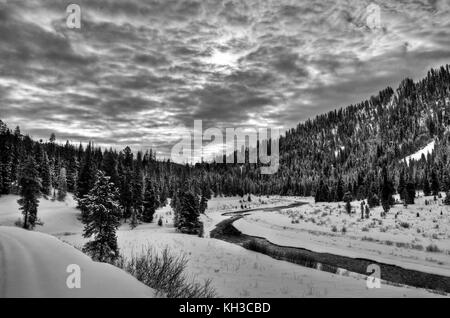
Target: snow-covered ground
(33, 264)
(235, 271)
(415, 237)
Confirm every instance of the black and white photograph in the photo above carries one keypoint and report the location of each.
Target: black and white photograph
(247, 150)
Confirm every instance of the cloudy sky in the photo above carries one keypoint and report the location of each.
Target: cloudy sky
(140, 70)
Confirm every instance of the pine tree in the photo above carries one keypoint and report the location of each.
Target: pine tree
(7, 176)
(435, 187)
(109, 166)
(163, 196)
(102, 221)
(339, 190)
(151, 202)
(62, 185)
(126, 195)
(30, 186)
(87, 175)
(203, 204)
(175, 204)
(188, 214)
(137, 191)
(387, 190)
(363, 205)
(401, 185)
(72, 174)
(46, 175)
(348, 198)
(426, 186)
(410, 189)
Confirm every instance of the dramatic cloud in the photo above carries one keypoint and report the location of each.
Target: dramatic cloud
(139, 71)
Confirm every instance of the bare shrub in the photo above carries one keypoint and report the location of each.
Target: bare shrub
(165, 273)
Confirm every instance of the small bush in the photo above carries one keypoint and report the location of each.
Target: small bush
(334, 228)
(417, 247)
(405, 225)
(165, 273)
(433, 248)
(160, 222)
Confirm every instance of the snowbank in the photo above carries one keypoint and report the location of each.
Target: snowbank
(38, 265)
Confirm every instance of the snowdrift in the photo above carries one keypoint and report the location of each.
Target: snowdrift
(39, 265)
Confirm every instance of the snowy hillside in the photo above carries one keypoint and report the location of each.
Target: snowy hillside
(428, 149)
(39, 265)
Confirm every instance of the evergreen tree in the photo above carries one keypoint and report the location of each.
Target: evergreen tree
(175, 204)
(401, 185)
(387, 190)
(435, 187)
(126, 195)
(348, 198)
(102, 221)
(87, 175)
(7, 177)
(322, 192)
(151, 202)
(30, 186)
(163, 195)
(46, 176)
(339, 190)
(426, 186)
(72, 174)
(110, 166)
(410, 192)
(137, 191)
(188, 214)
(62, 185)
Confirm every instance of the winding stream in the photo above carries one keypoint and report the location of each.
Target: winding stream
(393, 274)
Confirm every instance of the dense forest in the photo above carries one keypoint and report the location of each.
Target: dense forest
(353, 153)
(143, 184)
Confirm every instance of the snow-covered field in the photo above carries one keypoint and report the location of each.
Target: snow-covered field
(415, 237)
(235, 271)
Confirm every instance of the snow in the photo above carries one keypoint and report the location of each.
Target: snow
(36, 265)
(58, 218)
(381, 239)
(428, 149)
(237, 272)
(234, 271)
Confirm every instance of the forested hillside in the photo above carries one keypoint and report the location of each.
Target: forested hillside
(347, 150)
